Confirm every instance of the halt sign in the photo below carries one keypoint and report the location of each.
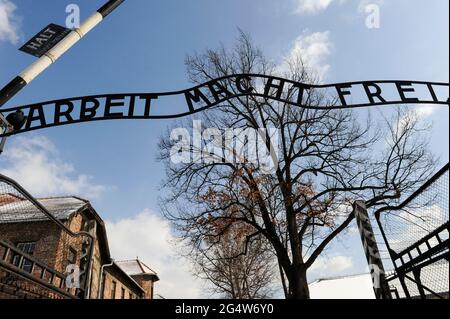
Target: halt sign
(45, 40)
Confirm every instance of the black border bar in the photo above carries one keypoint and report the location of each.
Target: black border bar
(109, 7)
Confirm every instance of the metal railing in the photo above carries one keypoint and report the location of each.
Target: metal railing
(15, 201)
(13, 261)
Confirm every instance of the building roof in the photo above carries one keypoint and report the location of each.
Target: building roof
(15, 209)
(136, 267)
(344, 287)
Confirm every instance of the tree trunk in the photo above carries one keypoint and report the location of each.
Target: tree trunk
(298, 285)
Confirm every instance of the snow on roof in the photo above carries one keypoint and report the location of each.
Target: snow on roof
(22, 210)
(345, 287)
(135, 267)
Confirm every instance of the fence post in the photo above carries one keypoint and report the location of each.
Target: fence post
(380, 286)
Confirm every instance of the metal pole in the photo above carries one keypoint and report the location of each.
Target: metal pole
(36, 68)
(380, 286)
(101, 286)
(30, 73)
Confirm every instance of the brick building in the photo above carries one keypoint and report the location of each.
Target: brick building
(141, 273)
(25, 231)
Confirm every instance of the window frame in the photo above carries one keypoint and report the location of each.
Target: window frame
(27, 247)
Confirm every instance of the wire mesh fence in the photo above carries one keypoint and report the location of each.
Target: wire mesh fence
(417, 240)
(40, 244)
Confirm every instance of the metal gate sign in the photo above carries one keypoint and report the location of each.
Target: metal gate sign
(204, 96)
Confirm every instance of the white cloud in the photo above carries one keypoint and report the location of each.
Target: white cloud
(416, 112)
(313, 49)
(311, 6)
(425, 110)
(9, 22)
(305, 7)
(148, 237)
(331, 266)
(35, 163)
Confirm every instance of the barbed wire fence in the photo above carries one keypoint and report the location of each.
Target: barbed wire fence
(416, 241)
(36, 246)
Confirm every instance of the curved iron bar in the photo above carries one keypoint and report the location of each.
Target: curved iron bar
(254, 75)
(27, 276)
(228, 97)
(61, 225)
(415, 194)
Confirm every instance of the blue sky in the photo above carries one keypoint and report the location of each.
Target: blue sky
(141, 48)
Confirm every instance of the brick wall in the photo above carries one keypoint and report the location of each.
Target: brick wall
(14, 287)
(146, 282)
(52, 249)
(52, 243)
(111, 275)
(45, 234)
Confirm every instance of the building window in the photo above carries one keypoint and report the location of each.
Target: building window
(130, 296)
(72, 256)
(113, 290)
(27, 248)
(85, 225)
(122, 296)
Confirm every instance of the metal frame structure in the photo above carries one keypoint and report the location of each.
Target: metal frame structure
(140, 106)
(420, 254)
(374, 261)
(39, 272)
(7, 264)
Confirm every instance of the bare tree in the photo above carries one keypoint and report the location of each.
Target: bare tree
(234, 275)
(327, 159)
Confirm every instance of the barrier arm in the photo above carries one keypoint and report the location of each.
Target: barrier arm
(50, 57)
